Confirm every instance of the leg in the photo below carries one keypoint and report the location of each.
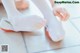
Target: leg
(54, 27)
(22, 22)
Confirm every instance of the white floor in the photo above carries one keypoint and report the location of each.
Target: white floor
(38, 42)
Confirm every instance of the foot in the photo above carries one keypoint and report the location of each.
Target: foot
(53, 37)
(23, 23)
(54, 30)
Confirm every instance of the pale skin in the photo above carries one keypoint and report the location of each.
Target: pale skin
(21, 4)
(58, 11)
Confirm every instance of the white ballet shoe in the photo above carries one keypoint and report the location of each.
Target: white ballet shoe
(54, 28)
(20, 22)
